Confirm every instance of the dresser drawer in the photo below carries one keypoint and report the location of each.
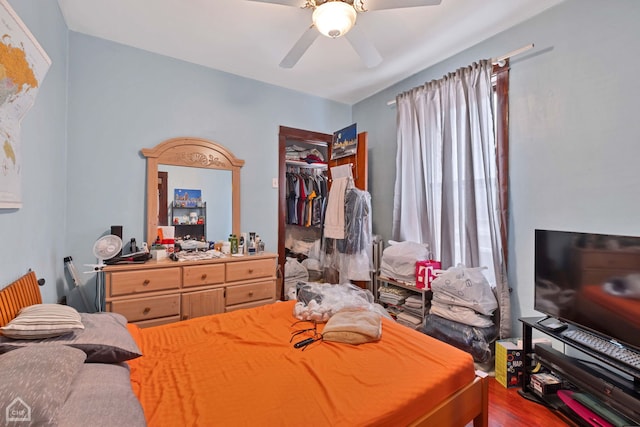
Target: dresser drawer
(248, 305)
(239, 294)
(133, 282)
(603, 259)
(594, 276)
(157, 322)
(203, 275)
(245, 270)
(148, 308)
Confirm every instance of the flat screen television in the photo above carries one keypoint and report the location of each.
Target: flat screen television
(591, 281)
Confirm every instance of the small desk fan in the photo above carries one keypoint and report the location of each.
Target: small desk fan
(104, 248)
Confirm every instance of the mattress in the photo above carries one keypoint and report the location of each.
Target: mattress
(239, 368)
(623, 309)
(610, 314)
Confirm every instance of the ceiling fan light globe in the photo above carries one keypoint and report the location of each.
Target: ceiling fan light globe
(334, 18)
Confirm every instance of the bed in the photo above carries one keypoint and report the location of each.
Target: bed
(611, 314)
(239, 368)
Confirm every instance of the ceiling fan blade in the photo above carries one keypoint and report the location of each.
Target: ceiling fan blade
(298, 49)
(364, 5)
(363, 46)
(295, 3)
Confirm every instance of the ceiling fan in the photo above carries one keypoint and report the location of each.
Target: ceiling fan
(336, 18)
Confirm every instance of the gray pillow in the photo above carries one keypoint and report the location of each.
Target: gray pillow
(102, 394)
(105, 339)
(36, 381)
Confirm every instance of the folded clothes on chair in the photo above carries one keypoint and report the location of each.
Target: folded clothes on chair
(353, 327)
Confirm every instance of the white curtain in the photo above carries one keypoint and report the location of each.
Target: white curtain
(446, 189)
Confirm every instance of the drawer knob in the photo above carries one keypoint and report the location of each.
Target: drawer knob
(204, 276)
(146, 310)
(250, 293)
(250, 270)
(146, 282)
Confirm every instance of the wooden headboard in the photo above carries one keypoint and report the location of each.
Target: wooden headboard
(21, 293)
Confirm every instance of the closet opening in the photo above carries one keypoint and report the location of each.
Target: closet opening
(305, 170)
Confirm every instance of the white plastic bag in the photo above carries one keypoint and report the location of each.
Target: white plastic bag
(294, 272)
(399, 260)
(319, 301)
(465, 287)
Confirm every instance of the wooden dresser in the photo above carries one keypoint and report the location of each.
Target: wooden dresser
(159, 292)
(595, 266)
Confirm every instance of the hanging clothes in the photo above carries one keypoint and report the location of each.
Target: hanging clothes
(334, 216)
(292, 198)
(320, 205)
(302, 200)
(357, 205)
(306, 197)
(349, 255)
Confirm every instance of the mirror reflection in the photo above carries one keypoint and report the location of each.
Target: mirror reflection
(198, 202)
(190, 163)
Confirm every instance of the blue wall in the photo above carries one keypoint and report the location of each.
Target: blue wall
(84, 173)
(123, 99)
(34, 236)
(574, 137)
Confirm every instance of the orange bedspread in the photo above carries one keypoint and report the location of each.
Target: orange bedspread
(624, 311)
(239, 368)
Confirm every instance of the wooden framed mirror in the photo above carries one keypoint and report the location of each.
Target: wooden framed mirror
(188, 152)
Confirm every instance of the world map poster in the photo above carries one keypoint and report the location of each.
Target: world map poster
(23, 66)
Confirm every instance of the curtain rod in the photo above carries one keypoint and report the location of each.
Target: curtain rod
(495, 61)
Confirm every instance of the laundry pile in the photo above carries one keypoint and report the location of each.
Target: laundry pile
(399, 260)
(403, 305)
(408, 320)
(313, 155)
(461, 311)
(412, 312)
(413, 305)
(392, 295)
(320, 301)
(294, 272)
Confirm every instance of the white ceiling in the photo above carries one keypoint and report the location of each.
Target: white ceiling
(250, 39)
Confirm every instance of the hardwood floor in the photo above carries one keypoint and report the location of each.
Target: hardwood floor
(508, 409)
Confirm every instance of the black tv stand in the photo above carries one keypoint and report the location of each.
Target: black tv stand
(614, 388)
(552, 324)
(525, 393)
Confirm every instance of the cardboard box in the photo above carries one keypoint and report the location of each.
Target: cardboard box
(543, 384)
(510, 361)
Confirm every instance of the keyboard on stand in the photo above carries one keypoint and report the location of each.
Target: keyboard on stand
(625, 356)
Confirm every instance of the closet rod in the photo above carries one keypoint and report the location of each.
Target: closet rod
(495, 61)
